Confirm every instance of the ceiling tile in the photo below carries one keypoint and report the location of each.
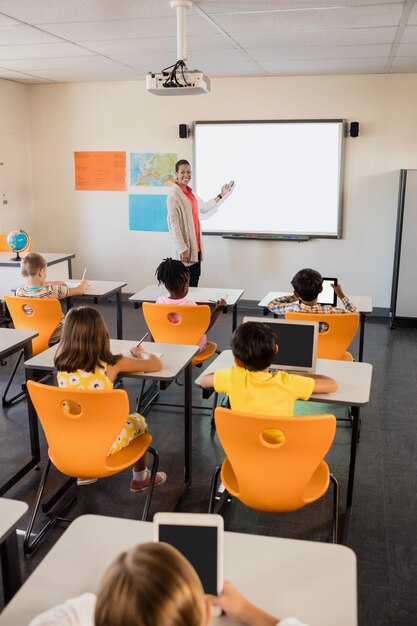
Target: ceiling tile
(125, 29)
(53, 11)
(242, 6)
(42, 51)
(404, 64)
(158, 44)
(346, 37)
(89, 75)
(319, 52)
(321, 66)
(74, 63)
(406, 50)
(409, 35)
(6, 21)
(21, 34)
(323, 19)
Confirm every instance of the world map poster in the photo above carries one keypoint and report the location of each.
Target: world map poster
(152, 169)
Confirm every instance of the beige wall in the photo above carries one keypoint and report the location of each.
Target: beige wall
(16, 210)
(122, 116)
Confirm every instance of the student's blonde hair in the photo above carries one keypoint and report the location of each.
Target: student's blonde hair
(150, 585)
(31, 264)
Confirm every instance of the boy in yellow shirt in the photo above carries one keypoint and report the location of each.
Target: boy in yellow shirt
(249, 384)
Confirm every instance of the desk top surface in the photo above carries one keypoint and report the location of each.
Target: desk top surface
(98, 288)
(353, 379)
(11, 511)
(363, 303)
(312, 580)
(12, 339)
(51, 258)
(202, 295)
(174, 358)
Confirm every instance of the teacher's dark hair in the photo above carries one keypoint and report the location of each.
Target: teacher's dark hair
(179, 163)
(173, 274)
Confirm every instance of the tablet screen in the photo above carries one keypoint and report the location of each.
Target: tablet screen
(199, 545)
(328, 295)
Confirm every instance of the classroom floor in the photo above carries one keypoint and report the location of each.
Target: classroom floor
(382, 525)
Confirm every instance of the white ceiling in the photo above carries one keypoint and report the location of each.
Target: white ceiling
(44, 41)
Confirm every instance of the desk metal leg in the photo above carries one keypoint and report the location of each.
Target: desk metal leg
(361, 336)
(119, 314)
(353, 446)
(10, 566)
(188, 431)
(69, 268)
(234, 322)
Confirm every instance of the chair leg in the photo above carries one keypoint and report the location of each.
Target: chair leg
(212, 422)
(6, 402)
(139, 400)
(213, 488)
(30, 546)
(335, 529)
(151, 483)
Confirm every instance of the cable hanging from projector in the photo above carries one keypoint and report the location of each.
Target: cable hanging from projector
(173, 79)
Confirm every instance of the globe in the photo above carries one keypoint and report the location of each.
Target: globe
(18, 241)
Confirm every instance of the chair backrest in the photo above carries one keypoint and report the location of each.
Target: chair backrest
(176, 324)
(46, 313)
(341, 330)
(5, 248)
(80, 441)
(271, 475)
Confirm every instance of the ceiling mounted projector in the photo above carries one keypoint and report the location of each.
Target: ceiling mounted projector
(177, 79)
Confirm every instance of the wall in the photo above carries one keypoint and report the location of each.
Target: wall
(122, 116)
(16, 209)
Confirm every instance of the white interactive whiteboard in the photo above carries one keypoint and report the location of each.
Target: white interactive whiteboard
(288, 175)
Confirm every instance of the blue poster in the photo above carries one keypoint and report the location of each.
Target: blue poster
(148, 212)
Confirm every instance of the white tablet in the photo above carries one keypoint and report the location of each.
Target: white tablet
(199, 537)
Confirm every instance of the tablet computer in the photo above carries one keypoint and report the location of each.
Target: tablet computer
(328, 295)
(199, 537)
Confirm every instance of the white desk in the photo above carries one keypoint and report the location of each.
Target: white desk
(99, 289)
(363, 304)
(11, 511)
(200, 295)
(354, 387)
(59, 267)
(12, 341)
(314, 581)
(175, 359)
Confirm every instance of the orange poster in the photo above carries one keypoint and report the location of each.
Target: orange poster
(100, 171)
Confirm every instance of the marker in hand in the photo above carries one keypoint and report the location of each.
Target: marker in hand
(85, 272)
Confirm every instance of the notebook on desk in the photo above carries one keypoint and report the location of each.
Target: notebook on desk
(297, 344)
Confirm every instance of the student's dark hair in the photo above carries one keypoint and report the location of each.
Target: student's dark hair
(84, 342)
(173, 274)
(255, 345)
(307, 283)
(179, 163)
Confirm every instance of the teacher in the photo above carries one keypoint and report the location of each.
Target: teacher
(184, 210)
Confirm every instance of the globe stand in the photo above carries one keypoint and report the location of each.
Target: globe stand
(17, 257)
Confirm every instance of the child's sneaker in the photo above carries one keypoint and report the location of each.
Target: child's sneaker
(85, 481)
(141, 485)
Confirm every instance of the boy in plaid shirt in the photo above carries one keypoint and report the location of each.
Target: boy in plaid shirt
(308, 284)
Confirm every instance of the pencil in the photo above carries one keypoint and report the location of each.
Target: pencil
(85, 272)
(140, 340)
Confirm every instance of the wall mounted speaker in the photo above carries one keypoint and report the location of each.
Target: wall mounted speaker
(354, 129)
(183, 131)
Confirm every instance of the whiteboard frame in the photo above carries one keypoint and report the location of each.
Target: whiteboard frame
(280, 235)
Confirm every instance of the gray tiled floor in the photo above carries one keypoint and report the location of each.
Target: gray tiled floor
(382, 525)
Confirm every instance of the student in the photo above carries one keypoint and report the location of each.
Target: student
(249, 384)
(33, 269)
(176, 278)
(308, 284)
(83, 360)
(154, 585)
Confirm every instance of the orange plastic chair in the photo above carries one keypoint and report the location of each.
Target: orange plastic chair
(79, 440)
(333, 342)
(273, 476)
(44, 318)
(193, 322)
